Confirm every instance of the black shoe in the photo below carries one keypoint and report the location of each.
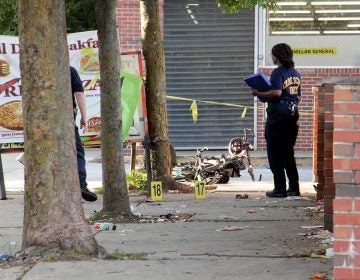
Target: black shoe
(88, 195)
(292, 193)
(275, 193)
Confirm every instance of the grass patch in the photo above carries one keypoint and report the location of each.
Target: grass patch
(127, 256)
(76, 254)
(98, 190)
(98, 215)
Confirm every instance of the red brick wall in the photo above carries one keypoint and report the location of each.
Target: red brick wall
(318, 151)
(310, 76)
(346, 165)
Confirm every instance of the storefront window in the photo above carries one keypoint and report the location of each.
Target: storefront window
(322, 33)
(315, 18)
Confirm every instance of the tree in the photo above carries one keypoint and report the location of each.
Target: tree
(80, 16)
(155, 88)
(53, 211)
(234, 6)
(116, 200)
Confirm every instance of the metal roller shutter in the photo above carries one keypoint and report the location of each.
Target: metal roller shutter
(207, 55)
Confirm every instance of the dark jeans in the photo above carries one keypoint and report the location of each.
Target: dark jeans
(80, 159)
(281, 131)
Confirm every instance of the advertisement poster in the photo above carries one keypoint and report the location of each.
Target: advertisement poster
(83, 53)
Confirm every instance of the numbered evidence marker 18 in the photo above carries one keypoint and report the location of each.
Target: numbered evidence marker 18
(156, 190)
(200, 192)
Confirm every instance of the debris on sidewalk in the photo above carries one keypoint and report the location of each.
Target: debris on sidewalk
(241, 196)
(230, 228)
(297, 198)
(318, 276)
(170, 217)
(312, 227)
(4, 257)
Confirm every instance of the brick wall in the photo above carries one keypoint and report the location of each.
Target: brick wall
(129, 25)
(346, 164)
(310, 76)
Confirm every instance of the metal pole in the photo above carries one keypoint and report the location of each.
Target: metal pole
(147, 163)
(133, 157)
(2, 184)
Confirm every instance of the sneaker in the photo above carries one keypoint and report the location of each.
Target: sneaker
(88, 195)
(275, 193)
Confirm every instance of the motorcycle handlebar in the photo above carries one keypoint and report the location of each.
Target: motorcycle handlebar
(201, 150)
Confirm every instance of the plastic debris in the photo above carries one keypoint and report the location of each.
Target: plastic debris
(329, 252)
(228, 218)
(4, 256)
(312, 227)
(104, 226)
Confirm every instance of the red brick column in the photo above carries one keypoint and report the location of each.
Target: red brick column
(346, 164)
(329, 187)
(318, 148)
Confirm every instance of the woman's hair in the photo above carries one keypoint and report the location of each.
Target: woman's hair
(284, 53)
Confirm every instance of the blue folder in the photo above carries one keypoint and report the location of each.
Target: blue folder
(260, 82)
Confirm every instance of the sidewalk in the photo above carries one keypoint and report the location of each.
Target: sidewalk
(268, 241)
(267, 244)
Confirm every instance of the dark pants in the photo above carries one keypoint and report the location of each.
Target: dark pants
(281, 131)
(80, 159)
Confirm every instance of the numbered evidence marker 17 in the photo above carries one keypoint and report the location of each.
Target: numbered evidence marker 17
(200, 192)
(156, 190)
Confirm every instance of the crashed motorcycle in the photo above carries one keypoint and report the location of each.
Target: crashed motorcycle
(239, 150)
(208, 169)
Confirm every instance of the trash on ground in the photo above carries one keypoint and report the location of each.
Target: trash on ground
(317, 256)
(241, 196)
(251, 211)
(318, 276)
(173, 191)
(175, 217)
(297, 198)
(320, 254)
(104, 226)
(312, 227)
(330, 253)
(230, 228)
(4, 256)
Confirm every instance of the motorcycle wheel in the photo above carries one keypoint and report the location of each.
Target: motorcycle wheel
(224, 179)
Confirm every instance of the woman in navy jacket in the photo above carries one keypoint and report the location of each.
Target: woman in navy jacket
(281, 127)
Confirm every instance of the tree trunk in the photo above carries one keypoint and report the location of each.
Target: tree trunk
(116, 199)
(53, 214)
(156, 91)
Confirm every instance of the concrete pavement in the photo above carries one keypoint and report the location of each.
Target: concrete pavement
(268, 241)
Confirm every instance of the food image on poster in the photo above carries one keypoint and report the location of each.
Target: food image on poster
(4, 68)
(90, 62)
(11, 115)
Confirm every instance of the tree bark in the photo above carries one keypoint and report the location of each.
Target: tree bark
(116, 199)
(155, 87)
(53, 214)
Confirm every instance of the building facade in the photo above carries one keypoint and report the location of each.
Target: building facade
(208, 53)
